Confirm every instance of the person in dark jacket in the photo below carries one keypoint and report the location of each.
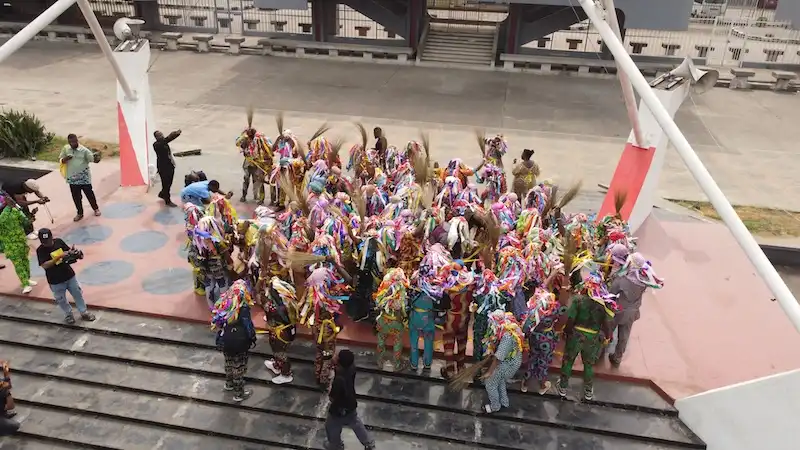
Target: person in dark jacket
(343, 411)
(165, 163)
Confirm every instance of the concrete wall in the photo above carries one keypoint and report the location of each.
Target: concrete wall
(789, 10)
(649, 14)
(758, 414)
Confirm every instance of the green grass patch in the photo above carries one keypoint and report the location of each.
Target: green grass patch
(53, 149)
(760, 221)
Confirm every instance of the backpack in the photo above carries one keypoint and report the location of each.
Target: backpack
(235, 338)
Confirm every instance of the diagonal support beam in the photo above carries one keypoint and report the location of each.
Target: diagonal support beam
(52, 13)
(751, 248)
(625, 82)
(105, 47)
(35, 27)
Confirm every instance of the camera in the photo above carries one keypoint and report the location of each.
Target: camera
(71, 256)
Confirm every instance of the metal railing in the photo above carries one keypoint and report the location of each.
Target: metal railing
(723, 42)
(113, 8)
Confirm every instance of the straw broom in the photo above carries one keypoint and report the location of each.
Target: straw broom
(357, 198)
(426, 144)
(286, 185)
(279, 123)
(363, 132)
(465, 377)
(570, 251)
(320, 131)
(301, 260)
(550, 202)
(336, 149)
(421, 163)
(619, 202)
(250, 114)
(570, 195)
(480, 136)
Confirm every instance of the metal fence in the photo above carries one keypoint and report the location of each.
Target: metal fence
(740, 35)
(113, 8)
(721, 41)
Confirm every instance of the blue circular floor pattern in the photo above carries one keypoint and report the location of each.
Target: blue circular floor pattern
(169, 216)
(87, 235)
(168, 281)
(105, 273)
(123, 210)
(143, 241)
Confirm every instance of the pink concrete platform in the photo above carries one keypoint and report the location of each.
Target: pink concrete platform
(713, 324)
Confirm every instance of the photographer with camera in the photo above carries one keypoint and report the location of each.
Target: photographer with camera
(14, 225)
(56, 257)
(19, 192)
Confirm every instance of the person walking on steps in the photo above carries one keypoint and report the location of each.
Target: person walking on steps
(60, 276)
(77, 158)
(165, 163)
(343, 409)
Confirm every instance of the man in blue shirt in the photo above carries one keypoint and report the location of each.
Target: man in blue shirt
(199, 192)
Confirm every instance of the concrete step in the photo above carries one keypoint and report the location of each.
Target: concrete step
(454, 57)
(458, 50)
(465, 55)
(87, 430)
(459, 33)
(456, 44)
(129, 382)
(460, 39)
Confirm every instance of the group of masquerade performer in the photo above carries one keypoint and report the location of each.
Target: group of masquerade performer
(419, 250)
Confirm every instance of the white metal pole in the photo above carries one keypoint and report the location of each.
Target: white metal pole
(625, 83)
(100, 37)
(768, 273)
(35, 27)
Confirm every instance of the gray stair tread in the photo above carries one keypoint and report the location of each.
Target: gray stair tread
(455, 60)
(28, 442)
(483, 56)
(90, 430)
(371, 388)
(238, 423)
(607, 392)
(457, 56)
(458, 48)
(461, 42)
(459, 33)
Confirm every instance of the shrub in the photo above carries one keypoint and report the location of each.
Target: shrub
(22, 135)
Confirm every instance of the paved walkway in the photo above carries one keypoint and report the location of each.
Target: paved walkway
(576, 125)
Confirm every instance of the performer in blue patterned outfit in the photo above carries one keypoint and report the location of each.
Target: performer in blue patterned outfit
(505, 343)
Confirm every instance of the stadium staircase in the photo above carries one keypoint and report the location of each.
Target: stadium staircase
(458, 47)
(133, 382)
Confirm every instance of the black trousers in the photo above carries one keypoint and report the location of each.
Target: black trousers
(167, 174)
(76, 190)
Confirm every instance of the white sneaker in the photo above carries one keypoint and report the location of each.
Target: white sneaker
(27, 289)
(33, 236)
(271, 366)
(282, 379)
(32, 283)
